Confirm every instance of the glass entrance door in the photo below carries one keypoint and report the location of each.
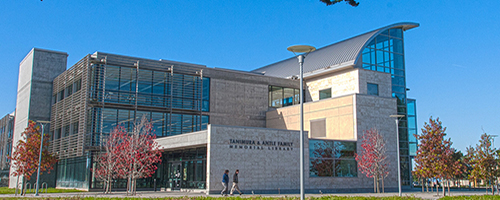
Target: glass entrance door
(176, 176)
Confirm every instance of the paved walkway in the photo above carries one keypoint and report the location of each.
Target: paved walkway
(151, 194)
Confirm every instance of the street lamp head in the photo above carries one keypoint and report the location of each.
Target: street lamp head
(43, 122)
(301, 49)
(398, 116)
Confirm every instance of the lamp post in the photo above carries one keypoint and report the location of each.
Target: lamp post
(397, 144)
(303, 50)
(493, 137)
(40, 157)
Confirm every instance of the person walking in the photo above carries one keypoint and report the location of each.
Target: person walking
(225, 181)
(235, 183)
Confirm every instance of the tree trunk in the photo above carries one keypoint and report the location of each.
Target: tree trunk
(128, 185)
(374, 184)
(23, 186)
(134, 186)
(437, 188)
(104, 189)
(109, 184)
(383, 186)
(442, 187)
(492, 191)
(448, 188)
(422, 185)
(378, 188)
(427, 184)
(17, 185)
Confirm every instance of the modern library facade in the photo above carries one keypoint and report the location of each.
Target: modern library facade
(209, 119)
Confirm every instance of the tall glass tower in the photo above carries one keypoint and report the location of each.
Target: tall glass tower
(385, 53)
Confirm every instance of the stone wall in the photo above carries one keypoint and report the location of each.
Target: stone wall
(337, 112)
(373, 112)
(383, 80)
(341, 83)
(264, 168)
(241, 98)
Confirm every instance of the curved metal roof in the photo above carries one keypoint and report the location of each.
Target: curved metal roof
(337, 55)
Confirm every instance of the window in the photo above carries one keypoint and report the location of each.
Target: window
(57, 134)
(74, 128)
(318, 128)
(325, 94)
(332, 158)
(281, 97)
(60, 95)
(78, 85)
(288, 96)
(66, 131)
(69, 90)
(372, 89)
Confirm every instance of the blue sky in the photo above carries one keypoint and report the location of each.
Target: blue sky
(452, 59)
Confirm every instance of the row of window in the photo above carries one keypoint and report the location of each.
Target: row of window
(8, 129)
(282, 97)
(412, 127)
(163, 124)
(156, 100)
(126, 85)
(65, 131)
(68, 91)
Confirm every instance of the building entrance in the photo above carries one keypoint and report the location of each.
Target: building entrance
(185, 168)
(175, 177)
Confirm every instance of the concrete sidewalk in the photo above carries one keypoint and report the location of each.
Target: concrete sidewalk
(151, 194)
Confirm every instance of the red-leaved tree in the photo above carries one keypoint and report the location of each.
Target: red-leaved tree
(109, 158)
(26, 154)
(372, 159)
(128, 155)
(140, 153)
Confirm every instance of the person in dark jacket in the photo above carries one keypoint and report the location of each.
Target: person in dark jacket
(225, 181)
(235, 183)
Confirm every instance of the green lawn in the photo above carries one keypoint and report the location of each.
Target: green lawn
(478, 197)
(228, 198)
(6, 190)
(52, 190)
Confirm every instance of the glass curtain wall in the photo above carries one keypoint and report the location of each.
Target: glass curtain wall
(412, 130)
(176, 103)
(184, 167)
(73, 172)
(412, 126)
(164, 124)
(173, 102)
(385, 53)
(154, 88)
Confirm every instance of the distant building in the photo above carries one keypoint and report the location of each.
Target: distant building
(210, 119)
(6, 131)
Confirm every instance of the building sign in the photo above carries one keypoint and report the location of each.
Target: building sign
(260, 145)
